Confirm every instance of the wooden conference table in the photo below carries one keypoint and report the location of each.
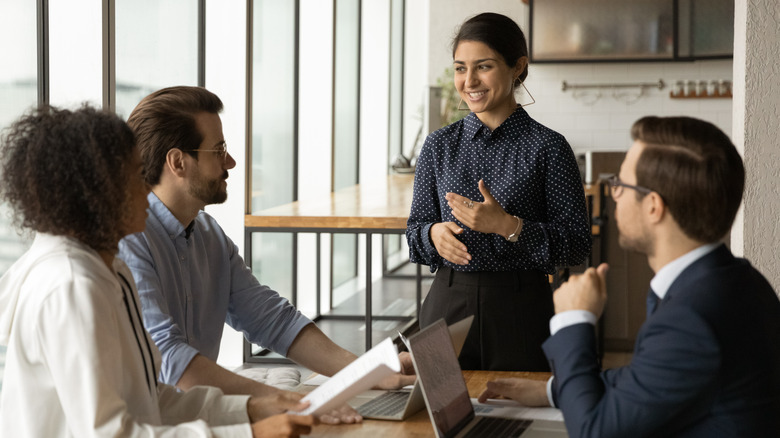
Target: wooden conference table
(419, 425)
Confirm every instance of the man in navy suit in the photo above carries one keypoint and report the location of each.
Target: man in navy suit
(707, 360)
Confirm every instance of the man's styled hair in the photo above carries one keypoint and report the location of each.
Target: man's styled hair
(697, 171)
(65, 173)
(165, 120)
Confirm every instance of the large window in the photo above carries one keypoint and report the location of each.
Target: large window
(346, 116)
(156, 47)
(294, 59)
(275, 162)
(76, 52)
(58, 56)
(273, 143)
(18, 93)
(396, 244)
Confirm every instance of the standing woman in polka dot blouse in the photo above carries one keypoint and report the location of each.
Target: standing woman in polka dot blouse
(498, 204)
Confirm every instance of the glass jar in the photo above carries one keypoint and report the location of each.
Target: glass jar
(690, 89)
(679, 89)
(701, 89)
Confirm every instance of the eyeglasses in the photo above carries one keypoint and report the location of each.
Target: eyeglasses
(220, 150)
(616, 187)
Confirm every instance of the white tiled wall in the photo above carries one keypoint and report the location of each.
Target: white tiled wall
(592, 122)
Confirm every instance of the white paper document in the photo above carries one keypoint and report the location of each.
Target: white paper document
(362, 374)
(512, 409)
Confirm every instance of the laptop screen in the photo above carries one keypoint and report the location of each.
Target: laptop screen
(442, 381)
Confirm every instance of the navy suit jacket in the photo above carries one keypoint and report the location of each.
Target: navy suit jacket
(705, 364)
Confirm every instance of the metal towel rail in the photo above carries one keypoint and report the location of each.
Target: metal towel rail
(567, 86)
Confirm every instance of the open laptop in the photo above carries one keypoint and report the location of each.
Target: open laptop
(447, 399)
(401, 404)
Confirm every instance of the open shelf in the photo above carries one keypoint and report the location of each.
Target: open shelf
(706, 96)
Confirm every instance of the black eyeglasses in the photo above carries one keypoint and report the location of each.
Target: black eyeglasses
(616, 187)
(220, 149)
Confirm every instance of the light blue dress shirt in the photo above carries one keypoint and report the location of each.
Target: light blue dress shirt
(190, 286)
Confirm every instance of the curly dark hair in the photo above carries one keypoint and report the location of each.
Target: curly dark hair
(64, 173)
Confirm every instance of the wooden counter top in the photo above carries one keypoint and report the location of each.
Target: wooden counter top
(383, 206)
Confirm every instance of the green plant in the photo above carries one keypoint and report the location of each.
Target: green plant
(450, 98)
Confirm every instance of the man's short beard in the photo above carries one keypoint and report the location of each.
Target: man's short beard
(208, 192)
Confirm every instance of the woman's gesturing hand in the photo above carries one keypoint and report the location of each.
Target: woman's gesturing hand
(486, 217)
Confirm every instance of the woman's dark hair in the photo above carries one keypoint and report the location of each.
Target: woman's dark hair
(697, 171)
(165, 120)
(498, 32)
(65, 173)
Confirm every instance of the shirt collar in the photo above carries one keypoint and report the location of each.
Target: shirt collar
(665, 276)
(170, 224)
(473, 125)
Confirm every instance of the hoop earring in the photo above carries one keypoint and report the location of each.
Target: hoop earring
(533, 101)
(463, 109)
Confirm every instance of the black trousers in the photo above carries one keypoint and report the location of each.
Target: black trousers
(512, 312)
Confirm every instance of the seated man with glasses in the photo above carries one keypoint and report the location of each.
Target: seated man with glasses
(190, 276)
(707, 360)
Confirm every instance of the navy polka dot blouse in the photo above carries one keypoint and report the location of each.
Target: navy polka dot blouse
(530, 170)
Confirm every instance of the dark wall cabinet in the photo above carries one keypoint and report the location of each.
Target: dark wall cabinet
(630, 30)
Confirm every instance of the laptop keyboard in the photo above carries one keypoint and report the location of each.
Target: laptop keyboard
(387, 405)
(498, 427)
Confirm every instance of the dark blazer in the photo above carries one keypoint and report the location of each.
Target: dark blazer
(705, 364)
